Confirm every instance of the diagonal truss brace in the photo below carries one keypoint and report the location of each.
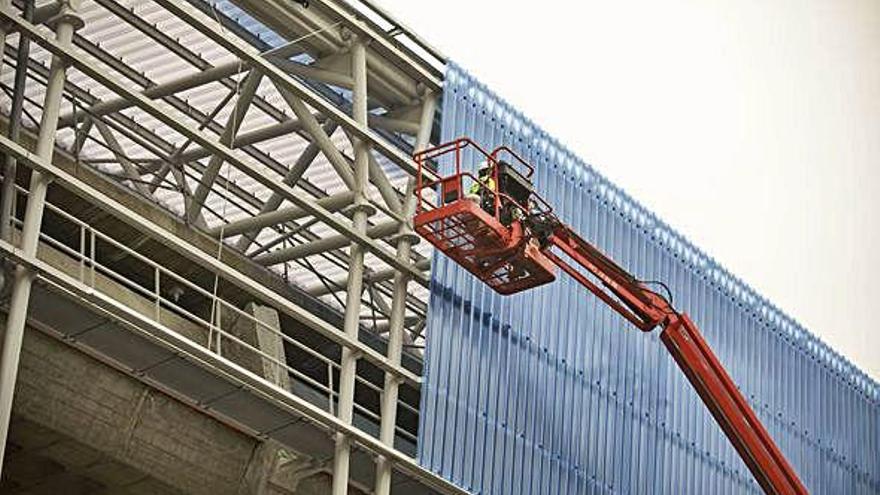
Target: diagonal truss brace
(198, 354)
(128, 167)
(196, 255)
(245, 97)
(251, 56)
(90, 68)
(319, 137)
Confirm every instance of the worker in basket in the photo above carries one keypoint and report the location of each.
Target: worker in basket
(482, 190)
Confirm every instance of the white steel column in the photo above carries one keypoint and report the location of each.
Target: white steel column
(356, 268)
(4, 4)
(10, 170)
(406, 238)
(67, 21)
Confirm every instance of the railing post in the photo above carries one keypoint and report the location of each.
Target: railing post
(82, 253)
(157, 287)
(66, 22)
(330, 407)
(93, 257)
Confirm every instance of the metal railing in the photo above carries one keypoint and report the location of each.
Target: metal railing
(209, 318)
(463, 151)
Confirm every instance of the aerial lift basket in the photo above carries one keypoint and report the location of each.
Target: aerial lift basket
(509, 238)
(477, 232)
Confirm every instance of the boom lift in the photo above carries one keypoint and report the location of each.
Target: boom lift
(509, 237)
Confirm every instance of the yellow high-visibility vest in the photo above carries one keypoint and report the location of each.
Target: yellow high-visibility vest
(476, 186)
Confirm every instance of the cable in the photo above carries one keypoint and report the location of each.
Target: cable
(215, 314)
(669, 300)
(273, 51)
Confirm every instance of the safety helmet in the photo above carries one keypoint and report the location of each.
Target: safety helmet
(484, 169)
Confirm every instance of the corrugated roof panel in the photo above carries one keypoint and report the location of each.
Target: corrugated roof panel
(549, 391)
(135, 57)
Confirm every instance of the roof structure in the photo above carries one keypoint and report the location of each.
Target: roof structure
(204, 84)
(272, 139)
(224, 214)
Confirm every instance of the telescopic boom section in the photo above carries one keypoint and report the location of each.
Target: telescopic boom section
(510, 242)
(646, 309)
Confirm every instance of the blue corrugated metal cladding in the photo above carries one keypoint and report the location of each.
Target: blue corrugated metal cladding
(549, 392)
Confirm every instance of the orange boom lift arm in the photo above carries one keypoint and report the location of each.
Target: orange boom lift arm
(509, 237)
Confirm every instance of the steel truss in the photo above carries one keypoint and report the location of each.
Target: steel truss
(291, 146)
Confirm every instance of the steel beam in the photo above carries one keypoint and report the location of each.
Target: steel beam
(388, 407)
(10, 170)
(129, 168)
(95, 72)
(244, 139)
(382, 327)
(351, 323)
(316, 73)
(303, 162)
(375, 277)
(233, 124)
(323, 245)
(162, 90)
(394, 124)
(66, 22)
(406, 237)
(174, 164)
(258, 222)
(319, 137)
(380, 180)
(285, 81)
(195, 255)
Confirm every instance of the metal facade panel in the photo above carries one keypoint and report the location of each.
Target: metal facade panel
(549, 392)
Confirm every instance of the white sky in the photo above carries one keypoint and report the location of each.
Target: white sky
(752, 127)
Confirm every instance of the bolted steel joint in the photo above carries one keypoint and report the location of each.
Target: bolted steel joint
(6, 277)
(69, 14)
(346, 35)
(350, 38)
(367, 208)
(406, 236)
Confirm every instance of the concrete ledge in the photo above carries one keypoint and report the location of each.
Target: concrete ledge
(63, 390)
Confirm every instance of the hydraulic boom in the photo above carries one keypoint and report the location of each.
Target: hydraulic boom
(507, 236)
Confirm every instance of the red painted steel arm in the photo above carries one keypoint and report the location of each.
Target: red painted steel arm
(647, 310)
(729, 407)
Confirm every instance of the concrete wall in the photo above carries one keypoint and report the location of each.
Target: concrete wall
(137, 432)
